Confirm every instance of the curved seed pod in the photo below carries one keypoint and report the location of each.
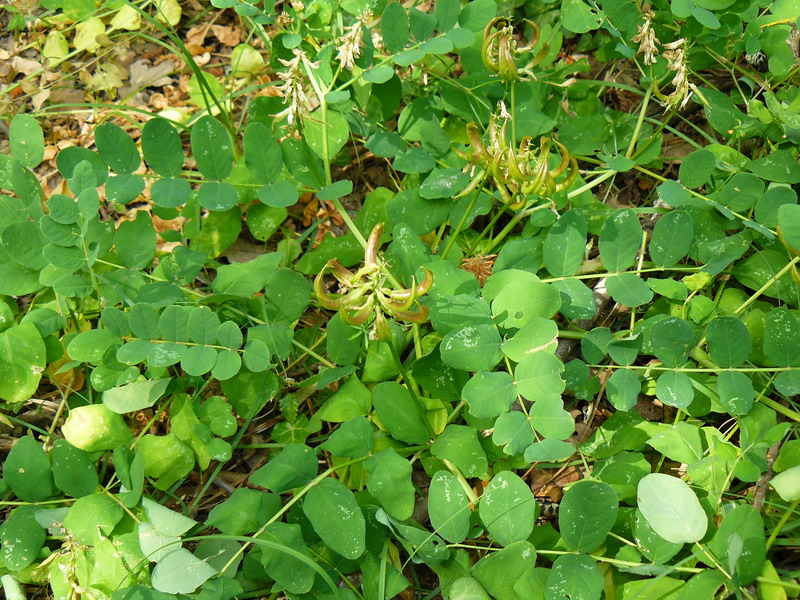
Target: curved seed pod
(326, 300)
(534, 40)
(353, 298)
(477, 150)
(420, 316)
(565, 156)
(399, 305)
(341, 273)
(573, 173)
(381, 328)
(425, 285)
(360, 317)
(373, 243)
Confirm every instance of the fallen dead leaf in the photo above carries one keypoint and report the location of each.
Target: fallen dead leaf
(229, 36)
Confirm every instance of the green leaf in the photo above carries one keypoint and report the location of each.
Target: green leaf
(144, 321)
(508, 509)
(681, 442)
(135, 241)
(652, 545)
(399, 413)
(585, 530)
(538, 375)
(166, 459)
(353, 439)
(671, 239)
(394, 27)
(550, 419)
(447, 12)
(26, 140)
(696, 168)
(94, 428)
(69, 158)
(248, 278)
(520, 302)
(443, 183)
(351, 400)
(459, 445)
(782, 337)
(335, 190)
(623, 389)
(620, 239)
(565, 242)
(117, 148)
(539, 334)
(740, 543)
(675, 389)
(448, 507)
(499, 572)
(787, 483)
(390, 484)
(170, 192)
(574, 576)
(294, 466)
(671, 339)
(91, 517)
(217, 195)
(74, 471)
(180, 572)
(27, 471)
(288, 294)
(262, 153)
(23, 241)
(203, 325)
(336, 517)
(736, 392)
(489, 394)
(162, 147)
(124, 188)
(279, 194)
(227, 365)
(629, 289)
(728, 341)
(245, 511)
(778, 165)
(287, 559)
(22, 362)
(338, 131)
(579, 17)
(198, 360)
(549, 450)
(671, 508)
(22, 539)
(135, 396)
(212, 148)
(472, 348)
(513, 433)
(229, 335)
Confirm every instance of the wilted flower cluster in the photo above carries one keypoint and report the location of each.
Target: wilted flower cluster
(674, 52)
(521, 171)
(647, 40)
(291, 90)
(367, 293)
(350, 43)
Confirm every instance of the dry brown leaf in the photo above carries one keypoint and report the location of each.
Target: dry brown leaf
(26, 66)
(197, 35)
(229, 36)
(143, 74)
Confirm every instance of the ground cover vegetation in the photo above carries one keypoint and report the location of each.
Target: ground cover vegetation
(367, 299)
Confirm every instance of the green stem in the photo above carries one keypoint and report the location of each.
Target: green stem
(453, 234)
(639, 122)
(780, 524)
